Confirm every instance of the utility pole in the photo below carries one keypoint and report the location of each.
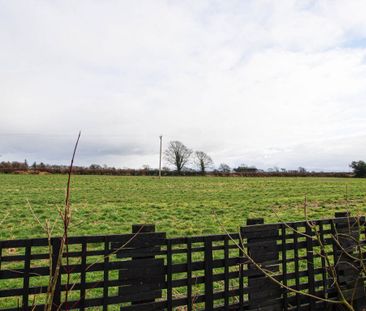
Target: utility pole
(161, 151)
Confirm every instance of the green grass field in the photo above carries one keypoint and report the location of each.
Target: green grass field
(179, 206)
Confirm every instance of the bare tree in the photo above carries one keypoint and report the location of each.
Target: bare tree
(224, 168)
(203, 161)
(177, 154)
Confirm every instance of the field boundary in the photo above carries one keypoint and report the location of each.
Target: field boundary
(145, 270)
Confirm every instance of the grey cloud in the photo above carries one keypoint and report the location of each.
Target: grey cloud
(59, 148)
(246, 81)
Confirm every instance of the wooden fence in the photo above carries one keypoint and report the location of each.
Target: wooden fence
(145, 270)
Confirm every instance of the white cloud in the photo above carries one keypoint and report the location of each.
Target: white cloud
(239, 79)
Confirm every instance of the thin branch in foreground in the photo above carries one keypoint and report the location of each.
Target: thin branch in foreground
(273, 278)
(66, 218)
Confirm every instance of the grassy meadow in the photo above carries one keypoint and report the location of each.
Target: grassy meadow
(179, 206)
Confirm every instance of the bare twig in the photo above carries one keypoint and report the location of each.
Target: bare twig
(323, 253)
(66, 218)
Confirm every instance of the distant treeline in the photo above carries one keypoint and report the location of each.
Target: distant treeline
(15, 167)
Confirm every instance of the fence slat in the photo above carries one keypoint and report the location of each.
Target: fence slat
(284, 266)
(83, 274)
(189, 275)
(323, 262)
(56, 266)
(208, 275)
(25, 299)
(241, 276)
(310, 264)
(169, 264)
(226, 272)
(105, 274)
(296, 257)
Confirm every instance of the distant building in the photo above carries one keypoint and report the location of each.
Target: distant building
(246, 169)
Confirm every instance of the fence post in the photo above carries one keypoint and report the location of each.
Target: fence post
(262, 248)
(140, 250)
(349, 271)
(141, 228)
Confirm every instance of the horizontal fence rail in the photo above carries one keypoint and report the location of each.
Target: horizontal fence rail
(285, 266)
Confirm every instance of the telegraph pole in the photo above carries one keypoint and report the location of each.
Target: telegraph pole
(161, 151)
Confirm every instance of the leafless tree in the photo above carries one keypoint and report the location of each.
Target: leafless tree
(203, 161)
(177, 154)
(224, 168)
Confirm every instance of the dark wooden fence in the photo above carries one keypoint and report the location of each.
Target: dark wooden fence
(145, 270)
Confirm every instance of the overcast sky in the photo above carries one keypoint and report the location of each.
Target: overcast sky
(265, 83)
